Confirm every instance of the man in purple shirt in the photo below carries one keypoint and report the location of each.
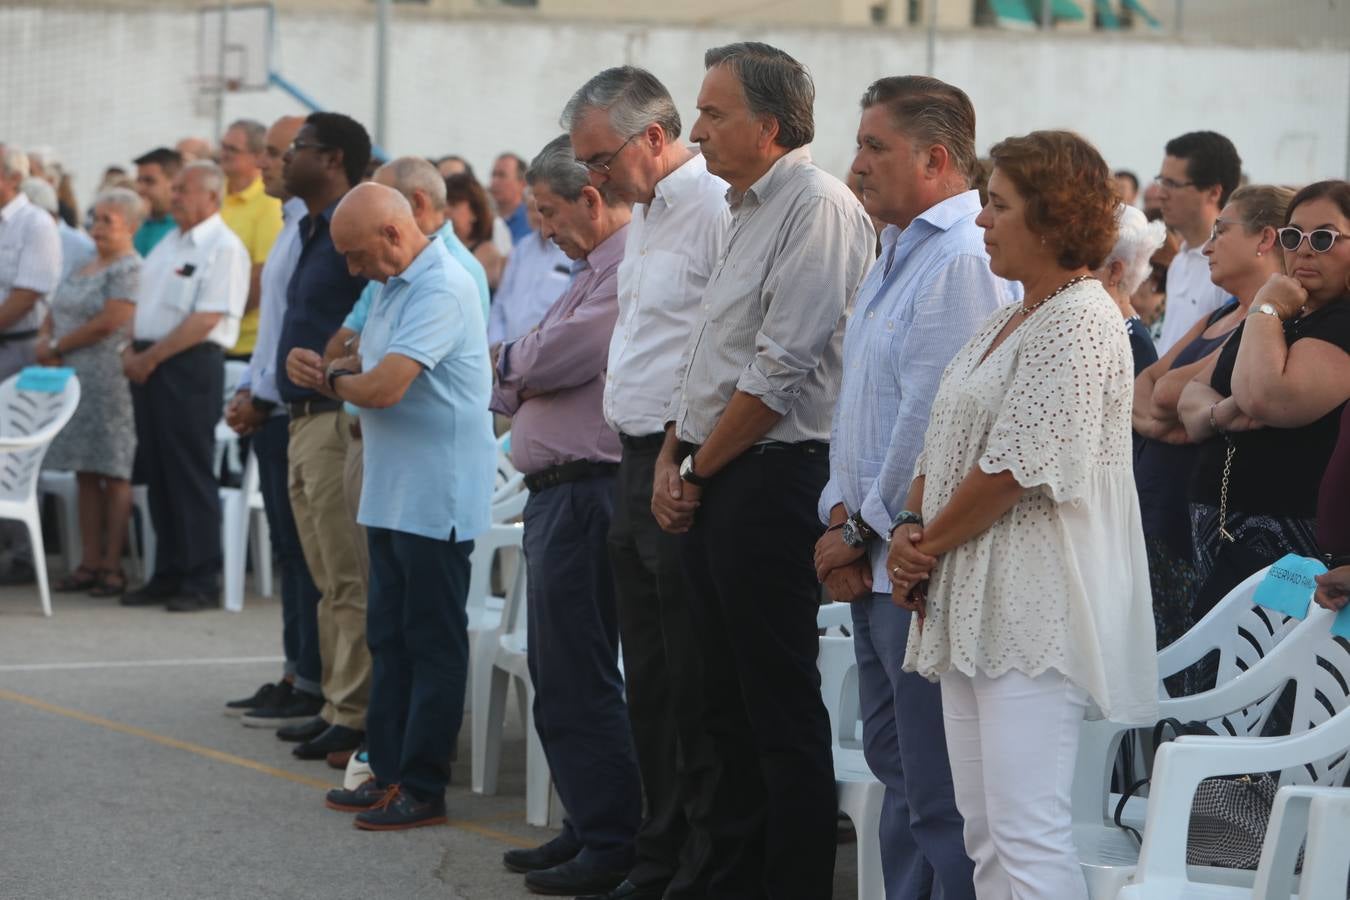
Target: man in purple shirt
(551, 382)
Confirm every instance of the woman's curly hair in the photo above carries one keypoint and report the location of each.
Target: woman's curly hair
(1069, 191)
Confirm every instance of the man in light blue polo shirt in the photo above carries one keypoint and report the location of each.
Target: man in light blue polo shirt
(422, 383)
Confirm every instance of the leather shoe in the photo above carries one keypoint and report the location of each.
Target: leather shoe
(572, 878)
(307, 730)
(334, 738)
(359, 799)
(153, 593)
(629, 891)
(398, 810)
(545, 856)
(192, 601)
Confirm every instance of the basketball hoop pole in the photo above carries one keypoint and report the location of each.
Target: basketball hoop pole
(381, 67)
(220, 71)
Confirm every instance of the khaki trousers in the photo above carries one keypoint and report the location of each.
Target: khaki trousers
(334, 548)
(353, 476)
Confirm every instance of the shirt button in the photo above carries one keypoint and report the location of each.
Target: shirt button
(871, 314)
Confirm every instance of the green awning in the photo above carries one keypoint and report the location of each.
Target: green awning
(1138, 7)
(1028, 12)
(1066, 9)
(1106, 14)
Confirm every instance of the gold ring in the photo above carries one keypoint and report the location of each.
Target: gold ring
(895, 570)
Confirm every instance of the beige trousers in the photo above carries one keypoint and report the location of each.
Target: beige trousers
(334, 547)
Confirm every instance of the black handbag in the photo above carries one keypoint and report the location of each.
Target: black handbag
(1229, 813)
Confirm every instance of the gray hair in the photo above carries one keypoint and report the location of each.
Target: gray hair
(633, 97)
(255, 134)
(14, 161)
(932, 112)
(1136, 240)
(126, 201)
(557, 166)
(412, 174)
(210, 174)
(775, 85)
(40, 193)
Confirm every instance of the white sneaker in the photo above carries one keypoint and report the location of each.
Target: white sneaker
(358, 770)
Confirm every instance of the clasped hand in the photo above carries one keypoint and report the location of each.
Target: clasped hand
(909, 568)
(674, 500)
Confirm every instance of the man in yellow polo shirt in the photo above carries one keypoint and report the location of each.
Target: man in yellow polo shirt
(251, 214)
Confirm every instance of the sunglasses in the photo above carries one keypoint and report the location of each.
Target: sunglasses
(1319, 239)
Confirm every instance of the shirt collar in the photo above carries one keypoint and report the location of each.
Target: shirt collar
(203, 229)
(292, 209)
(951, 211)
(773, 179)
(431, 254)
(608, 252)
(683, 180)
(12, 207)
(254, 188)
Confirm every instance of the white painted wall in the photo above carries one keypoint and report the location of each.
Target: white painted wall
(103, 86)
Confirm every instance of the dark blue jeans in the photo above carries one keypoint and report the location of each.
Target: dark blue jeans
(299, 595)
(579, 708)
(923, 852)
(417, 630)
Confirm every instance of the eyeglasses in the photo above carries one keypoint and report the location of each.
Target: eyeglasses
(297, 146)
(602, 168)
(231, 150)
(1171, 183)
(1319, 239)
(1220, 226)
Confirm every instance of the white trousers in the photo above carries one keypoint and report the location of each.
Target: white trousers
(1012, 741)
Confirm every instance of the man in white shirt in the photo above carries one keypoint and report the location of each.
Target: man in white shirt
(30, 268)
(1199, 171)
(193, 289)
(625, 130)
(77, 248)
(537, 273)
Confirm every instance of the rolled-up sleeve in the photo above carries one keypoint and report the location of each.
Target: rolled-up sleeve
(805, 294)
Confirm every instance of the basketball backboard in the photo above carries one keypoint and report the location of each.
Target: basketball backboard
(234, 47)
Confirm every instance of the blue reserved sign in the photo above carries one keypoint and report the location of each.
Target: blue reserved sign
(44, 379)
(1288, 586)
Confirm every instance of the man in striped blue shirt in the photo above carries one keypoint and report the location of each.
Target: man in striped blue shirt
(926, 296)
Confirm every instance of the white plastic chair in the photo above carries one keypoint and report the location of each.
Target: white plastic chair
(1316, 662)
(65, 489)
(860, 793)
(242, 515)
(498, 660)
(29, 421)
(140, 510)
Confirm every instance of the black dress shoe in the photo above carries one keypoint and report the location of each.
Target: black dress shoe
(261, 698)
(629, 891)
(545, 856)
(334, 738)
(153, 593)
(307, 730)
(19, 572)
(283, 709)
(193, 601)
(572, 878)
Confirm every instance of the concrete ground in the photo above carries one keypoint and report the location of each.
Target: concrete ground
(121, 779)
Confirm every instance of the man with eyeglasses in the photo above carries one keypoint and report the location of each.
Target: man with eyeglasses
(680, 216)
(1199, 171)
(327, 158)
(251, 214)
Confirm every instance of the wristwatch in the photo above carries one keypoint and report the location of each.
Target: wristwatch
(688, 474)
(1269, 310)
(856, 532)
(907, 517)
(334, 375)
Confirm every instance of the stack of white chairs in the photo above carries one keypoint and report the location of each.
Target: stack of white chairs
(29, 421)
(1304, 653)
(242, 517)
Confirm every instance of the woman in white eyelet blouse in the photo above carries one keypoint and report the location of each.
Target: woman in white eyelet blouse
(1027, 567)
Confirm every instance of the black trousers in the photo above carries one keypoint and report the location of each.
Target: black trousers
(176, 414)
(573, 657)
(663, 666)
(770, 806)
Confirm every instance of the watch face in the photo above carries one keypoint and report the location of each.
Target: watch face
(850, 534)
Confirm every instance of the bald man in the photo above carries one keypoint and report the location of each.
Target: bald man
(256, 410)
(195, 148)
(422, 382)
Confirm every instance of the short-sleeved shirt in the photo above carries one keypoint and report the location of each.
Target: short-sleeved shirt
(151, 232)
(30, 255)
(1191, 296)
(202, 270)
(256, 218)
(1274, 471)
(356, 319)
(430, 459)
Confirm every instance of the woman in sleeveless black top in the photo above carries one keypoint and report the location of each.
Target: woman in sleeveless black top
(1243, 253)
(1274, 396)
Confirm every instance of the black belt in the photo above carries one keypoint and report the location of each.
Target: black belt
(301, 408)
(805, 448)
(9, 337)
(644, 442)
(576, 470)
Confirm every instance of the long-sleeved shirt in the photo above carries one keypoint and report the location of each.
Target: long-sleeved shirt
(772, 319)
(261, 376)
(537, 273)
(923, 300)
(672, 246)
(552, 380)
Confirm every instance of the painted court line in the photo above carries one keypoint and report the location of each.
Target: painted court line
(239, 761)
(139, 663)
